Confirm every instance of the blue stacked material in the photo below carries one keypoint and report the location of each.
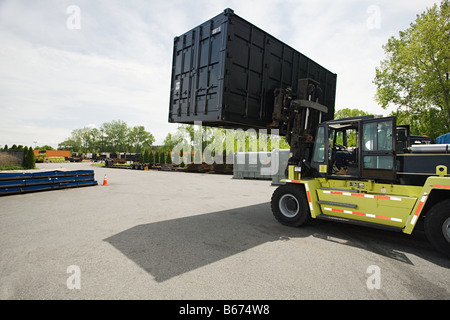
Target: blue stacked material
(444, 139)
(23, 182)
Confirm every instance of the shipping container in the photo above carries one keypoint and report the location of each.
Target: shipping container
(53, 153)
(261, 165)
(225, 71)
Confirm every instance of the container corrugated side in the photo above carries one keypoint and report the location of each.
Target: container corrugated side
(225, 70)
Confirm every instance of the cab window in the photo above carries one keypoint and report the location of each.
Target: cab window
(319, 149)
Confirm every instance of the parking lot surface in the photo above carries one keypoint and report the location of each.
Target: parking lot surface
(170, 235)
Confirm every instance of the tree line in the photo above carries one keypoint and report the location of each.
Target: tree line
(114, 136)
(117, 136)
(29, 159)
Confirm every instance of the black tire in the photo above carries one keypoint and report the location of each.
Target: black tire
(437, 226)
(290, 206)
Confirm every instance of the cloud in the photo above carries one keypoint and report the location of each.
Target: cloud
(69, 89)
(117, 65)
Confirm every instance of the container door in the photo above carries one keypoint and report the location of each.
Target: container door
(378, 149)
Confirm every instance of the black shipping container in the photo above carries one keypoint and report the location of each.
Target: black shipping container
(224, 73)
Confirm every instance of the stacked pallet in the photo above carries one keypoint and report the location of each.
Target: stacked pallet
(23, 182)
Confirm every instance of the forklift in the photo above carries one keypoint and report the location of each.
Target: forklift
(360, 170)
(228, 73)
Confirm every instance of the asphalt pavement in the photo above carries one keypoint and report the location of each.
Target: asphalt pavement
(158, 235)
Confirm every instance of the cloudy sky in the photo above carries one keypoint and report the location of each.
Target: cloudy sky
(69, 64)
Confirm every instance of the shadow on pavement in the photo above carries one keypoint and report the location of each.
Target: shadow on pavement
(169, 248)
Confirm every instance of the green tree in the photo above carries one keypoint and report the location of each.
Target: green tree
(95, 141)
(151, 158)
(79, 141)
(30, 159)
(138, 139)
(349, 113)
(146, 156)
(25, 154)
(414, 76)
(182, 164)
(115, 136)
(45, 147)
(169, 158)
(70, 144)
(171, 141)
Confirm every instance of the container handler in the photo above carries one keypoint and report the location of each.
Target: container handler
(228, 73)
(387, 184)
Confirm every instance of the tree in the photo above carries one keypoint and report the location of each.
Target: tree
(171, 141)
(151, 158)
(352, 135)
(428, 122)
(25, 154)
(182, 164)
(169, 158)
(29, 159)
(414, 76)
(45, 147)
(95, 140)
(146, 156)
(349, 113)
(138, 138)
(70, 144)
(116, 136)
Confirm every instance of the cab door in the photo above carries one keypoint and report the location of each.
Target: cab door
(320, 155)
(377, 151)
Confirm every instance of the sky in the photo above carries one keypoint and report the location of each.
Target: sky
(66, 65)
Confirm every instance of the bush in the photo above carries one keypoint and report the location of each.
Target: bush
(30, 159)
(56, 159)
(40, 158)
(10, 167)
(8, 160)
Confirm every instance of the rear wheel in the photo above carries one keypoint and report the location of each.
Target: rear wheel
(290, 206)
(437, 226)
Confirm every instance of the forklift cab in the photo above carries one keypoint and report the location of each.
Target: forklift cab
(371, 140)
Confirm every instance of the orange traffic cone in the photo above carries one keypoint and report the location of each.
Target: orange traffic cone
(105, 181)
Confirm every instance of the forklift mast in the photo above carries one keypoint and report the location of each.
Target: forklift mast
(298, 115)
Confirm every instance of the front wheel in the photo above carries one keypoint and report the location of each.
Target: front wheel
(437, 226)
(290, 206)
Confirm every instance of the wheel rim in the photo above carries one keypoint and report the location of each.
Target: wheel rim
(446, 229)
(289, 205)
